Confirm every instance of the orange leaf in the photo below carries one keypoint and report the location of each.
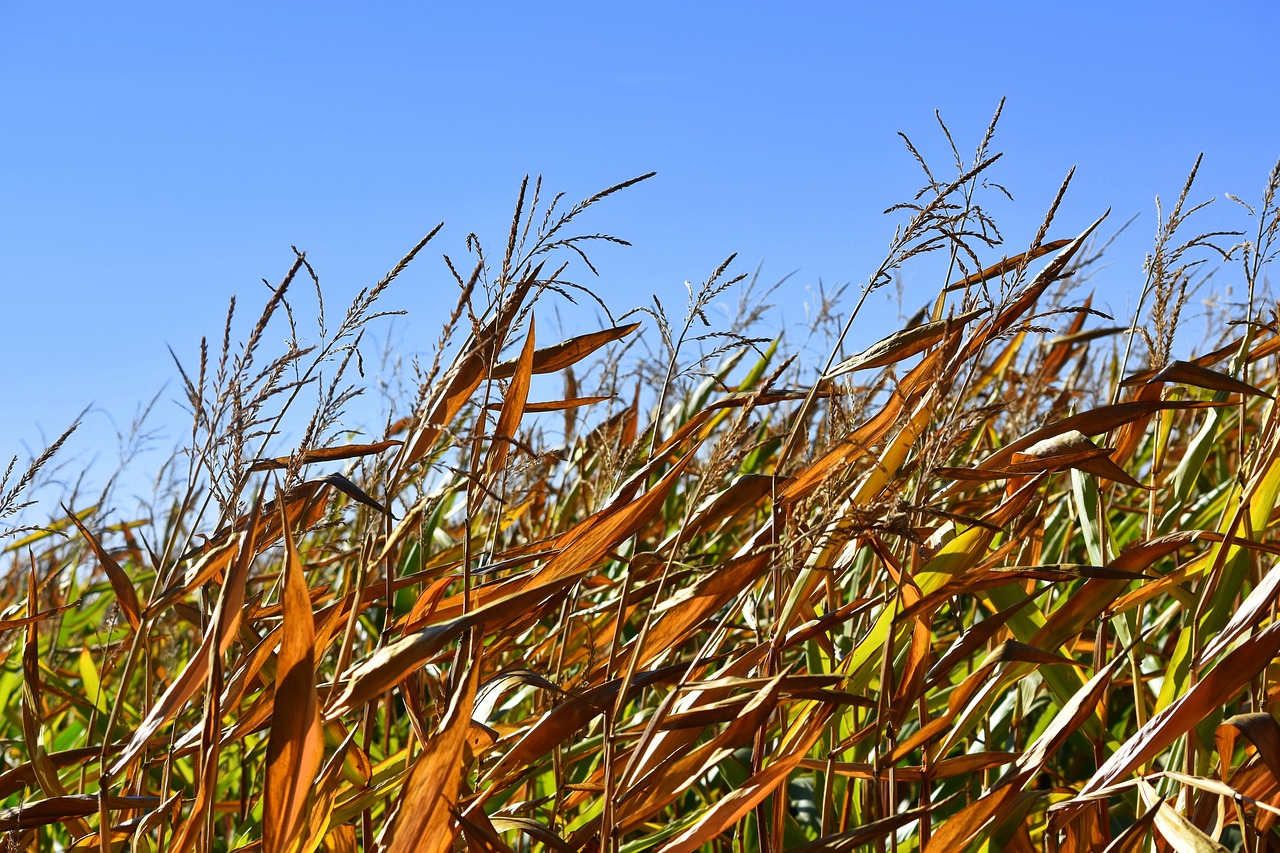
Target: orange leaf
(296, 743)
(393, 662)
(237, 551)
(857, 839)
(325, 454)
(559, 725)
(958, 830)
(667, 779)
(1014, 310)
(1008, 264)
(566, 353)
(424, 820)
(561, 405)
(1092, 422)
(1261, 730)
(903, 344)
(463, 378)
(60, 809)
(727, 810)
(126, 595)
(512, 408)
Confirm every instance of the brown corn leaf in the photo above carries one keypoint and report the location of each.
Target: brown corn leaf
(1261, 351)
(614, 524)
(1251, 612)
(1070, 449)
(32, 712)
(666, 780)
(126, 595)
(1069, 444)
(959, 829)
(562, 722)
(561, 405)
(1014, 310)
(23, 775)
(726, 811)
(1134, 837)
(902, 345)
(512, 409)
(1007, 265)
(1142, 556)
(971, 640)
(10, 624)
(1087, 335)
(1142, 377)
(226, 614)
(833, 462)
(911, 680)
(464, 376)
(169, 704)
(393, 662)
(325, 454)
(566, 353)
(1011, 650)
(826, 622)
(424, 819)
(1218, 789)
(1260, 729)
(296, 744)
(1069, 718)
(742, 495)
(858, 839)
(533, 829)
(1191, 373)
(1093, 422)
(303, 506)
(425, 607)
(959, 765)
(957, 703)
(979, 581)
(693, 605)
(67, 808)
(480, 833)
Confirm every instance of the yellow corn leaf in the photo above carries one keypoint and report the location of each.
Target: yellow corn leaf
(1183, 835)
(91, 682)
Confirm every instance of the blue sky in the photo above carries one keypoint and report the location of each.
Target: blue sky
(158, 158)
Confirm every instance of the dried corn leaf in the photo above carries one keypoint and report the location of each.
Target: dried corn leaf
(296, 744)
(424, 819)
(324, 454)
(902, 345)
(566, 353)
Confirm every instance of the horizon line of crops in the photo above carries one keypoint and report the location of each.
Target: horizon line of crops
(1002, 580)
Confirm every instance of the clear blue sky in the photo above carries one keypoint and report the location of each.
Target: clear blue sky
(157, 158)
